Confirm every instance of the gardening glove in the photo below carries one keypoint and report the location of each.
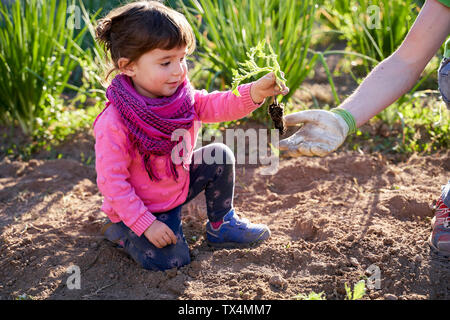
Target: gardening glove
(322, 133)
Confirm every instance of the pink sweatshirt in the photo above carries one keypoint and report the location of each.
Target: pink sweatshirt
(129, 194)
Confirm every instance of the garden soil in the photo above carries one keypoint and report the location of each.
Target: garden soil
(334, 221)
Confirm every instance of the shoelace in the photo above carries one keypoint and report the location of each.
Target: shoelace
(239, 221)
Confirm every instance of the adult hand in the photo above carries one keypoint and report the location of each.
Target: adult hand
(322, 133)
(160, 235)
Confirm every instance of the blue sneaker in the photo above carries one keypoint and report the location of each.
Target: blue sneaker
(236, 232)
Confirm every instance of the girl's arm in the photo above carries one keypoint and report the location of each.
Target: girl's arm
(221, 106)
(112, 162)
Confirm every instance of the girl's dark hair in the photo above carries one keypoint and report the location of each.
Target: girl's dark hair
(133, 29)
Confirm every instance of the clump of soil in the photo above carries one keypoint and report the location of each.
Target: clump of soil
(276, 112)
(331, 219)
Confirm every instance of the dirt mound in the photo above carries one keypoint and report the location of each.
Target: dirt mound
(331, 219)
(401, 206)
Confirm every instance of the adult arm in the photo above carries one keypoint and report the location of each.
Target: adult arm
(397, 74)
(325, 131)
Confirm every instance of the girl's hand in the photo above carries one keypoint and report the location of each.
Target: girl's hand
(160, 235)
(266, 87)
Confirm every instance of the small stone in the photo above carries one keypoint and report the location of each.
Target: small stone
(278, 281)
(388, 242)
(390, 296)
(171, 272)
(418, 258)
(233, 283)
(260, 291)
(176, 285)
(341, 290)
(245, 296)
(350, 238)
(196, 265)
(354, 262)
(372, 257)
(374, 295)
(298, 256)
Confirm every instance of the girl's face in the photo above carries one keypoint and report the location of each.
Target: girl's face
(158, 73)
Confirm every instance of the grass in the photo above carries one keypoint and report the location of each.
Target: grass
(311, 296)
(42, 95)
(359, 290)
(227, 30)
(373, 29)
(38, 52)
(420, 125)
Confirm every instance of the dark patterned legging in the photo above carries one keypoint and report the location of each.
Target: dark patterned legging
(211, 170)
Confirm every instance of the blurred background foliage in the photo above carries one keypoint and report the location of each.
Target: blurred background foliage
(51, 85)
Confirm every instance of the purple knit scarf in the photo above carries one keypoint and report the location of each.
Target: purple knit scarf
(151, 121)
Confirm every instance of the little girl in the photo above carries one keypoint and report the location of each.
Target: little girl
(151, 97)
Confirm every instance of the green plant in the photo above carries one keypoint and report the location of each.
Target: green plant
(311, 296)
(371, 28)
(359, 290)
(93, 59)
(417, 124)
(250, 68)
(38, 52)
(24, 297)
(227, 30)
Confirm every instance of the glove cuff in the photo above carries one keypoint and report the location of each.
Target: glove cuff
(348, 118)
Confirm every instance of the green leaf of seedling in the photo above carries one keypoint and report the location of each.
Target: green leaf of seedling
(249, 68)
(359, 290)
(311, 296)
(348, 292)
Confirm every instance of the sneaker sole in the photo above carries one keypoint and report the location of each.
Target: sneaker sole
(439, 273)
(443, 255)
(231, 245)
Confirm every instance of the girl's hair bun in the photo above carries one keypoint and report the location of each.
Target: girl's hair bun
(103, 31)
